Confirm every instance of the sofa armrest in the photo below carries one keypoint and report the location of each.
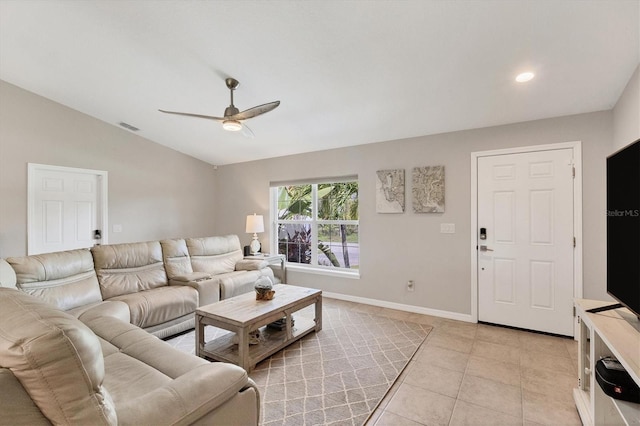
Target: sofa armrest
(208, 288)
(251, 265)
(187, 398)
(7, 275)
(193, 276)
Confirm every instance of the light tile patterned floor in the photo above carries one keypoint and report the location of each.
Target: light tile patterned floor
(477, 374)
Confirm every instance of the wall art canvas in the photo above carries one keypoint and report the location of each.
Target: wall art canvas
(428, 189)
(390, 191)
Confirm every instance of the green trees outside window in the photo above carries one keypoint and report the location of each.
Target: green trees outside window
(318, 224)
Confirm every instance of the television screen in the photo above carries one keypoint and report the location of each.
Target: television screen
(623, 226)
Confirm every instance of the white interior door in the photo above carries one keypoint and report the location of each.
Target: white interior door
(525, 261)
(66, 207)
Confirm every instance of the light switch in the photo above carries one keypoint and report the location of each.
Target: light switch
(117, 228)
(447, 228)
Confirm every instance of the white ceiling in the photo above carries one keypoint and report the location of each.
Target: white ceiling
(346, 72)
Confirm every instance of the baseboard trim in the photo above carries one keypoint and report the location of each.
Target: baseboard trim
(400, 306)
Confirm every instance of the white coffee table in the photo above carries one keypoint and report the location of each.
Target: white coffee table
(242, 314)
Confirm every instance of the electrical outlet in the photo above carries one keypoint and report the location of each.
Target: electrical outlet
(411, 285)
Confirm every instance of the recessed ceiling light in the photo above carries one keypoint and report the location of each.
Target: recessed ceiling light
(524, 77)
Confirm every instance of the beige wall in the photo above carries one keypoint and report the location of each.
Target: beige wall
(399, 247)
(626, 114)
(154, 192)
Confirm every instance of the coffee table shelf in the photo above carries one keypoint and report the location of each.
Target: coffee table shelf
(224, 348)
(243, 314)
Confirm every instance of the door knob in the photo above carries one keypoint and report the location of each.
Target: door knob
(485, 248)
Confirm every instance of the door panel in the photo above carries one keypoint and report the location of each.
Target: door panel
(541, 205)
(65, 208)
(504, 221)
(52, 218)
(525, 264)
(504, 281)
(542, 291)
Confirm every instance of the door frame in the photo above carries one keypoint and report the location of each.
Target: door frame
(102, 189)
(577, 212)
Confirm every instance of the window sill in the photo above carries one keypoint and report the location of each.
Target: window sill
(354, 275)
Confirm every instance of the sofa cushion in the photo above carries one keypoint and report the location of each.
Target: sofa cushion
(176, 258)
(109, 308)
(153, 307)
(214, 255)
(154, 383)
(127, 378)
(129, 268)
(57, 359)
(65, 279)
(134, 342)
(251, 265)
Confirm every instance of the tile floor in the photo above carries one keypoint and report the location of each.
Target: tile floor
(476, 374)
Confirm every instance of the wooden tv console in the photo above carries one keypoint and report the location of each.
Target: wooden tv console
(610, 333)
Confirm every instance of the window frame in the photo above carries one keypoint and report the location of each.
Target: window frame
(314, 222)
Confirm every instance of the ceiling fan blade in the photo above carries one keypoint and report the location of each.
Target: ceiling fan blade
(255, 111)
(188, 114)
(246, 131)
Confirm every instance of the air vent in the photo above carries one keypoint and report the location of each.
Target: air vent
(128, 126)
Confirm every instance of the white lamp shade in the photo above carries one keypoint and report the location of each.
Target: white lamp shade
(255, 224)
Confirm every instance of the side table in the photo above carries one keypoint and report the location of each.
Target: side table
(277, 260)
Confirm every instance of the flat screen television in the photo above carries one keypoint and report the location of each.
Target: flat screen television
(623, 226)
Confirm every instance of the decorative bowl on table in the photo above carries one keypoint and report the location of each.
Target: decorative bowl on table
(264, 289)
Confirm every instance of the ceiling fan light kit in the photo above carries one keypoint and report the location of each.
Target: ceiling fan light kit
(232, 125)
(233, 118)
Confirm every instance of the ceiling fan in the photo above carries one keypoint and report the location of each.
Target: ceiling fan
(233, 119)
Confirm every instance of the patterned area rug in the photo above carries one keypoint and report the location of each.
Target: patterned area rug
(334, 377)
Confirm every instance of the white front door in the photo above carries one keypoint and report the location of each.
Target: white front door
(66, 208)
(526, 240)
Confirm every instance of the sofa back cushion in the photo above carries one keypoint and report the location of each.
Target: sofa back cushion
(66, 279)
(57, 359)
(214, 255)
(129, 268)
(176, 258)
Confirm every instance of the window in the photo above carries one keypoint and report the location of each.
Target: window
(317, 224)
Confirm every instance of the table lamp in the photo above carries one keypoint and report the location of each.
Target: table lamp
(255, 224)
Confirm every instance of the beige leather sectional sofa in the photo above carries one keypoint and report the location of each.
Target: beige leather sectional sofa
(160, 283)
(57, 369)
(76, 344)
